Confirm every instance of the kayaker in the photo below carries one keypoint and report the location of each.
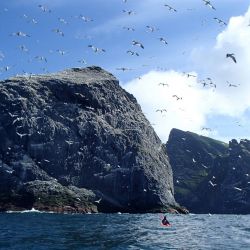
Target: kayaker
(164, 221)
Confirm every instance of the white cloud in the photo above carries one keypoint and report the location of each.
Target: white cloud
(187, 113)
(198, 103)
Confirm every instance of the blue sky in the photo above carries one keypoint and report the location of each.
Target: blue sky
(191, 32)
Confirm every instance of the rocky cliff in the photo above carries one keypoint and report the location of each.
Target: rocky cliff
(210, 176)
(191, 156)
(227, 187)
(77, 141)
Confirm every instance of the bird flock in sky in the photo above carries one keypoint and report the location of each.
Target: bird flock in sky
(94, 48)
(136, 46)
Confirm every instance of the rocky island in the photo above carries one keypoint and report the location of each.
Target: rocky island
(75, 141)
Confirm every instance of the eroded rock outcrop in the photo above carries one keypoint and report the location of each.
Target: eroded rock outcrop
(78, 128)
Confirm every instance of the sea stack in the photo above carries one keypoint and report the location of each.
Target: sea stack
(76, 141)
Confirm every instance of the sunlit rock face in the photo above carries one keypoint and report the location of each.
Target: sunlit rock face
(75, 140)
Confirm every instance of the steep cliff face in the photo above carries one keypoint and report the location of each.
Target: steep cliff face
(210, 176)
(227, 188)
(79, 128)
(192, 157)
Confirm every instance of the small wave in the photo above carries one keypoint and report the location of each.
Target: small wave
(32, 210)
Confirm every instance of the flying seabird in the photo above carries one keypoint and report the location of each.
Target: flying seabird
(129, 12)
(61, 52)
(189, 75)
(123, 69)
(12, 115)
(41, 58)
(21, 135)
(137, 44)
(43, 8)
(212, 184)
(85, 19)
(161, 110)
(69, 142)
(163, 40)
(207, 129)
(83, 61)
(132, 53)
(177, 97)
(232, 56)
(163, 84)
(33, 20)
(5, 68)
(25, 16)
(95, 49)
(128, 28)
(220, 21)
(170, 8)
(62, 20)
(98, 201)
(151, 28)
(204, 165)
(208, 3)
(203, 82)
(232, 85)
(213, 85)
(23, 48)
(20, 33)
(59, 32)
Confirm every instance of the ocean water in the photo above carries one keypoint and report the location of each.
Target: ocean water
(123, 231)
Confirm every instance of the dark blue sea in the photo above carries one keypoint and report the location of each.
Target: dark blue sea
(123, 231)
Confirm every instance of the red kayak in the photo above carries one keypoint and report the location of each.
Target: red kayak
(166, 225)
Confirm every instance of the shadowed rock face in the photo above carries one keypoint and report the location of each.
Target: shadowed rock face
(231, 174)
(191, 156)
(210, 176)
(79, 128)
